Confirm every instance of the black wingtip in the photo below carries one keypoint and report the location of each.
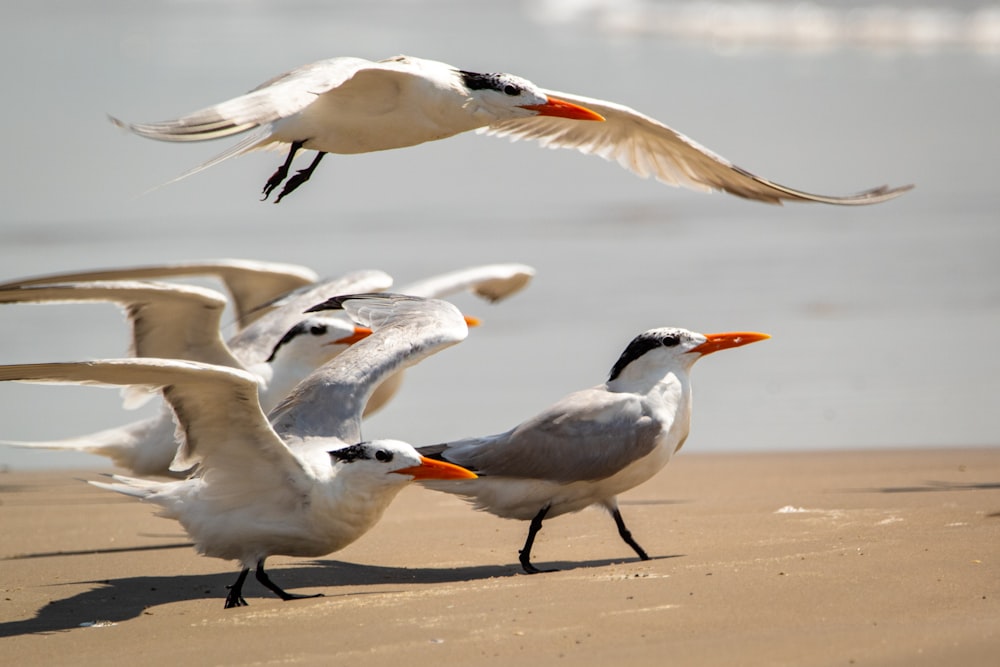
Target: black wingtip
(333, 303)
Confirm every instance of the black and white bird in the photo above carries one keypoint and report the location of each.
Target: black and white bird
(593, 444)
(305, 486)
(173, 321)
(280, 343)
(351, 105)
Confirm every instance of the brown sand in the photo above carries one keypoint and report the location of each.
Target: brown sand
(892, 558)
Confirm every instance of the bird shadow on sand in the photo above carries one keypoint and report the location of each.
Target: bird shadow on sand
(117, 600)
(930, 486)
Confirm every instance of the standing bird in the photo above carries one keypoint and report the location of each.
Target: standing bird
(182, 322)
(593, 444)
(306, 486)
(350, 105)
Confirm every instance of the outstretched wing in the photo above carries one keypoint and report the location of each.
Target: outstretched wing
(277, 98)
(647, 148)
(216, 410)
(406, 330)
(493, 282)
(250, 283)
(168, 321)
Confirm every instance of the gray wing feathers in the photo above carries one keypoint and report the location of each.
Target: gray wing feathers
(330, 402)
(586, 436)
(647, 148)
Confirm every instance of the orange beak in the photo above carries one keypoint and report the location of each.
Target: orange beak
(471, 321)
(722, 341)
(360, 333)
(431, 469)
(563, 109)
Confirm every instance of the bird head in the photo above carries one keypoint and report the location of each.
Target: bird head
(316, 340)
(656, 352)
(505, 96)
(393, 462)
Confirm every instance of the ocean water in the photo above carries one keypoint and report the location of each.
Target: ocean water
(884, 318)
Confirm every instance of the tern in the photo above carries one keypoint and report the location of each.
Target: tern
(305, 486)
(281, 345)
(182, 322)
(351, 105)
(593, 444)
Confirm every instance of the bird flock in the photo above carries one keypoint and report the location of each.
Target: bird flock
(258, 448)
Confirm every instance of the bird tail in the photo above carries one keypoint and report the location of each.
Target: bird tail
(124, 445)
(248, 144)
(130, 486)
(120, 453)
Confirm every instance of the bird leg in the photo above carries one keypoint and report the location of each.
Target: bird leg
(525, 552)
(281, 593)
(282, 172)
(627, 535)
(300, 177)
(235, 597)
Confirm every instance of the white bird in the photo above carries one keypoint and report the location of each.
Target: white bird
(251, 284)
(350, 105)
(593, 444)
(281, 345)
(182, 322)
(306, 486)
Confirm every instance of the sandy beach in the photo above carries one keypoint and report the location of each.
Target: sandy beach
(830, 558)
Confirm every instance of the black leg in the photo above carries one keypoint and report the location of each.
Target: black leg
(235, 597)
(284, 595)
(626, 535)
(282, 173)
(525, 552)
(299, 178)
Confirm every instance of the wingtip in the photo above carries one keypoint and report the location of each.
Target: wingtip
(333, 303)
(117, 122)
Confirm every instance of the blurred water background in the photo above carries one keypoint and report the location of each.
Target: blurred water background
(885, 319)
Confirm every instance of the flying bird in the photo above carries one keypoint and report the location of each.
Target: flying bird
(305, 486)
(593, 444)
(351, 105)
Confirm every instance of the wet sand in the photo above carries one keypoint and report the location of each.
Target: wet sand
(839, 558)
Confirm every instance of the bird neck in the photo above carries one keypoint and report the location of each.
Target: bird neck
(650, 381)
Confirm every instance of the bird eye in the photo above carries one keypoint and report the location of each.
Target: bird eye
(671, 341)
(383, 456)
(512, 90)
(318, 329)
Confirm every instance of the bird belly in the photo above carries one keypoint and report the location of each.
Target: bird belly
(522, 498)
(342, 124)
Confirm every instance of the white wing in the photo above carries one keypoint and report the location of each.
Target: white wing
(493, 282)
(168, 321)
(647, 148)
(216, 408)
(406, 330)
(250, 283)
(278, 98)
(254, 343)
